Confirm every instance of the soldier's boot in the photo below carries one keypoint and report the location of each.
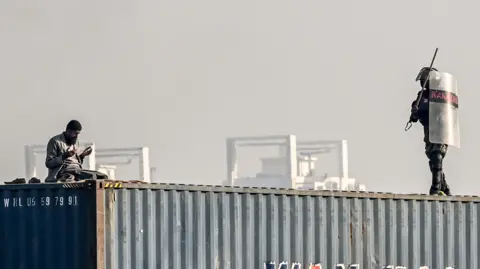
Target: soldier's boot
(434, 191)
(435, 164)
(445, 187)
(436, 188)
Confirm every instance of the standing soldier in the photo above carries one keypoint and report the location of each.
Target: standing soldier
(437, 111)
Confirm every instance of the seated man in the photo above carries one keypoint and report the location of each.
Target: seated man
(63, 161)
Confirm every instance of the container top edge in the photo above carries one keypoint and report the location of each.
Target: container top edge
(277, 191)
(40, 186)
(227, 189)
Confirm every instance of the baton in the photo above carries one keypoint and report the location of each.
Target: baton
(419, 97)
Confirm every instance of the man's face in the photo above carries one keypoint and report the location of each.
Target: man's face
(71, 136)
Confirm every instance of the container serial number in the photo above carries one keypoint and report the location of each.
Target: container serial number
(43, 201)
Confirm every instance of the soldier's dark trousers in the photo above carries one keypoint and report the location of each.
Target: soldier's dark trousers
(436, 153)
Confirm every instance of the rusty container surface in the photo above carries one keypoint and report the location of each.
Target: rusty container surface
(47, 226)
(205, 227)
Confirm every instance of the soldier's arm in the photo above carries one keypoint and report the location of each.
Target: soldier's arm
(418, 95)
(53, 159)
(414, 110)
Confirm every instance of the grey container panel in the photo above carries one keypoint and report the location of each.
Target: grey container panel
(47, 226)
(168, 228)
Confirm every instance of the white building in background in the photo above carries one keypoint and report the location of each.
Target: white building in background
(294, 167)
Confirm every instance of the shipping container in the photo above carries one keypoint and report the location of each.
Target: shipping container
(108, 225)
(48, 226)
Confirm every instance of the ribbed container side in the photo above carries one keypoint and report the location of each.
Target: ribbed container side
(47, 226)
(155, 228)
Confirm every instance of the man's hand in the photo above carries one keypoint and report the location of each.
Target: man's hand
(69, 154)
(86, 152)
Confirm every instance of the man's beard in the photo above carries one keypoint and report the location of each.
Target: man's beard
(71, 140)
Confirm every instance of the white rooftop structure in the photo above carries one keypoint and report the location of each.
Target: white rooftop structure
(295, 165)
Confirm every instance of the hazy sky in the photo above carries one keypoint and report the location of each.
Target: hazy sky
(181, 76)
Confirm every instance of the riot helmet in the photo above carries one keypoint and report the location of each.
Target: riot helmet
(423, 74)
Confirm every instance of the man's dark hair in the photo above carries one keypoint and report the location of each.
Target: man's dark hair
(74, 125)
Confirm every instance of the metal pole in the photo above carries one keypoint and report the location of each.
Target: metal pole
(292, 160)
(91, 162)
(343, 160)
(145, 165)
(30, 170)
(231, 161)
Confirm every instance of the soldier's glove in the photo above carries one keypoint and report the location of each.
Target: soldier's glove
(413, 118)
(414, 110)
(414, 114)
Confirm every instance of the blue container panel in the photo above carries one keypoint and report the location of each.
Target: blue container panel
(46, 226)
